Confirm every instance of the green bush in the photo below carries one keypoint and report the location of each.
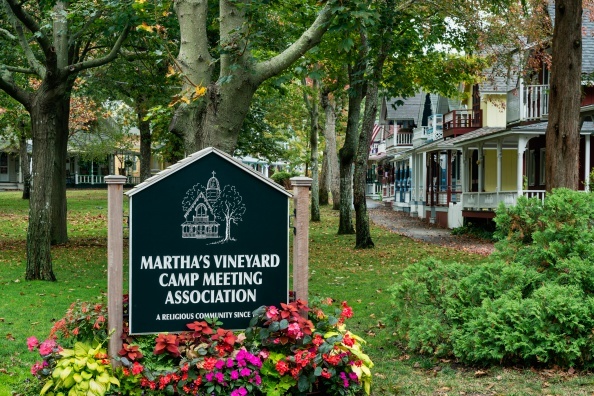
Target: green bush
(531, 303)
(283, 178)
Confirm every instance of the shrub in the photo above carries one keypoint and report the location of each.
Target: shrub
(532, 302)
(283, 178)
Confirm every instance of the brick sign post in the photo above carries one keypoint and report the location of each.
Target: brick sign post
(209, 237)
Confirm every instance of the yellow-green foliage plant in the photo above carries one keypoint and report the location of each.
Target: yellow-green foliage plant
(81, 370)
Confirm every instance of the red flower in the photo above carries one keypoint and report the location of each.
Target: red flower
(348, 340)
(137, 368)
(209, 363)
(282, 367)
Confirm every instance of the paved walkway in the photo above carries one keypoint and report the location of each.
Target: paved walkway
(402, 223)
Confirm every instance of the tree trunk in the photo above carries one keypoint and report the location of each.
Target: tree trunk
(46, 124)
(145, 142)
(331, 154)
(215, 117)
(59, 220)
(563, 130)
(363, 235)
(349, 149)
(324, 180)
(311, 103)
(24, 160)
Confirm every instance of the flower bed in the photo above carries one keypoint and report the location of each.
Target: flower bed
(292, 349)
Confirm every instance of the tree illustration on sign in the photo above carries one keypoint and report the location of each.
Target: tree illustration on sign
(230, 207)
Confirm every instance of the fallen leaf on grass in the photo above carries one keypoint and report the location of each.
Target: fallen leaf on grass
(404, 357)
(10, 337)
(378, 375)
(444, 389)
(480, 373)
(490, 385)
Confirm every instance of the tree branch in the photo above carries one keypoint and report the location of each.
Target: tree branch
(77, 35)
(8, 85)
(23, 70)
(104, 60)
(8, 34)
(310, 38)
(30, 23)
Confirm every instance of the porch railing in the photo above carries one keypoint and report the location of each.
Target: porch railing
(400, 139)
(443, 196)
(420, 135)
(461, 121)
(97, 179)
(491, 200)
(527, 103)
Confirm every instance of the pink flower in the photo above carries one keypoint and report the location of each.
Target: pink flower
(32, 343)
(245, 372)
(36, 367)
(294, 330)
(272, 312)
(47, 347)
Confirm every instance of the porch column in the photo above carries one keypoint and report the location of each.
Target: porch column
(449, 176)
(464, 173)
(499, 160)
(423, 176)
(587, 163)
(481, 168)
(522, 141)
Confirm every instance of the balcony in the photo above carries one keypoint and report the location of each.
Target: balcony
(459, 122)
(527, 103)
(400, 139)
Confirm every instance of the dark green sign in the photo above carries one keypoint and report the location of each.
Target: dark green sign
(208, 238)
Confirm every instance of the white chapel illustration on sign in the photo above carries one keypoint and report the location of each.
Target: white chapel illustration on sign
(205, 208)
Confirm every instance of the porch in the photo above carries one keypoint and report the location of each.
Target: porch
(491, 200)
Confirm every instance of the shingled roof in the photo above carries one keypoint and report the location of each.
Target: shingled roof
(587, 38)
(413, 106)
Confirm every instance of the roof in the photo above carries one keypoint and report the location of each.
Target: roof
(494, 83)
(414, 106)
(451, 143)
(587, 127)
(9, 147)
(587, 38)
(197, 156)
(412, 109)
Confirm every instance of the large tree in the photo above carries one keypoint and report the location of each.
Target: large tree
(53, 42)
(227, 53)
(563, 129)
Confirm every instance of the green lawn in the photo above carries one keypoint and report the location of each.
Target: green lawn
(362, 277)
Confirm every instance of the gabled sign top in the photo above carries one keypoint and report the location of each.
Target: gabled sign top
(195, 157)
